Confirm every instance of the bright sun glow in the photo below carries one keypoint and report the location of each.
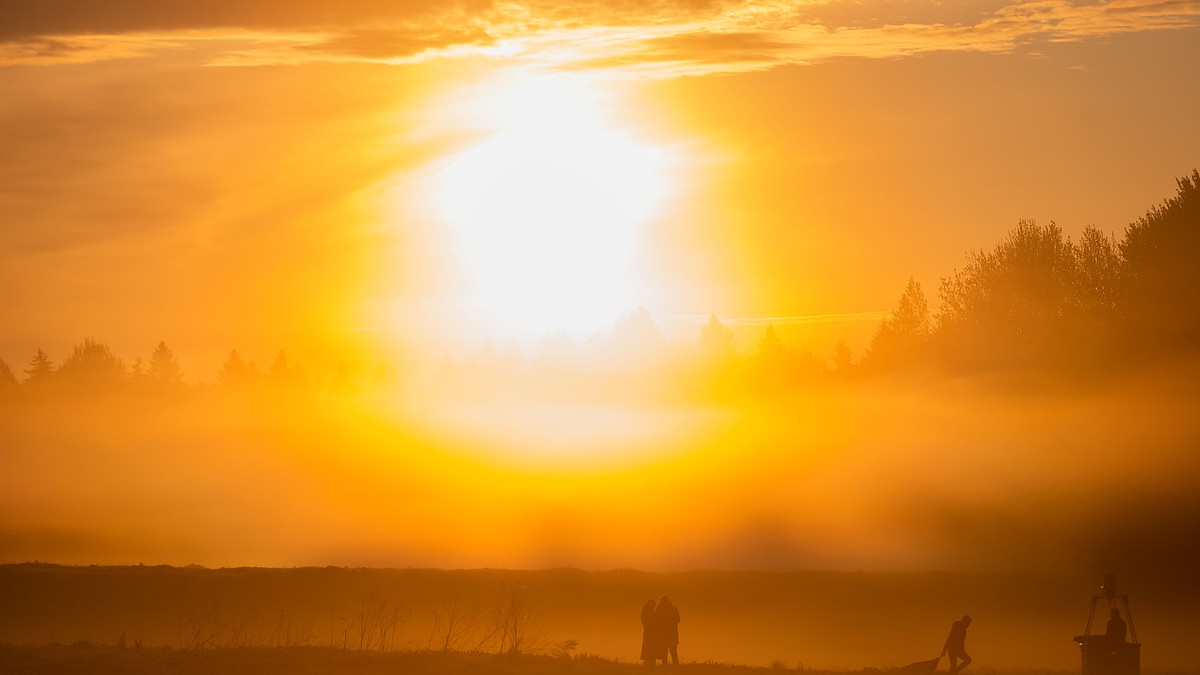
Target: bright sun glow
(547, 208)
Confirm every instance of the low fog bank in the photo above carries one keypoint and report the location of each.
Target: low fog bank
(1010, 473)
(809, 619)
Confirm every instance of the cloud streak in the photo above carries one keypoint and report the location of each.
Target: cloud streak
(842, 317)
(662, 39)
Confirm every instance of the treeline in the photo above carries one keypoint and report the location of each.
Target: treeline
(93, 366)
(634, 361)
(1038, 300)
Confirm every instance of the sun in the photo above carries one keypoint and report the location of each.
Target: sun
(545, 210)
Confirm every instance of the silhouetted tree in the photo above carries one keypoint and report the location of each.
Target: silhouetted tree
(279, 373)
(7, 377)
(1011, 304)
(40, 369)
(1097, 279)
(717, 359)
(804, 366)
(636, 336)
(164, 369)
(1161, 254)
(93, 364)
(137, 372)
(237, 372)
(770, 347)
(902, 338)
(716, 341)
(285, 375)
(843, 359)
(768, 366)
(775, 368)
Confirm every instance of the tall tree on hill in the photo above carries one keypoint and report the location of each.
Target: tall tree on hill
(1098, 280)
(236, 372)
(770, 348)
(40, 369)
(843, 359)
(284, 374)
(92, 364)
(768, 367)
(776, 368)
(1161, 253)
(901, 339)
(717, 359)
(280, 373)
(716, 341)
(1012, 304)
(164, 369)
(137, 372)
(7, 377)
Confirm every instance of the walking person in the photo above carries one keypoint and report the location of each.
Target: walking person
(667, 617)
(956, 645)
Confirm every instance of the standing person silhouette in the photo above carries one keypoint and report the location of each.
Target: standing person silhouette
(651, 640)
(667, 618)
(1115, 630)
(956, 645)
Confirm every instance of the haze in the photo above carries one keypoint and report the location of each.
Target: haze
(736, 286)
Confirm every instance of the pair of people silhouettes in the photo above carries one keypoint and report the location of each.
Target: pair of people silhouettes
(660, 631)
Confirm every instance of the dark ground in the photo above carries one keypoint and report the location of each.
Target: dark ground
(108, 660)
(344, 617)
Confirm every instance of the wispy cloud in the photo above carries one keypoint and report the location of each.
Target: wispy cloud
(657, 39)
(800, 319)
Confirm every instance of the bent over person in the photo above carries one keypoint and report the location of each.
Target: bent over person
(956, 645)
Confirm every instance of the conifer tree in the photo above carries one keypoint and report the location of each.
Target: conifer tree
(164, 369)
(7, 378)
(843, 360)
(716, 340)
(40, 369)
(236, 372)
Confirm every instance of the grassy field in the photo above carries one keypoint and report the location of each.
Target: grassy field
(812, 620)
(102, 660)
(109, 660)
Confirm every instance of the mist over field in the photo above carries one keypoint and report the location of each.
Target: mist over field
(1011, 474)
(813, 620)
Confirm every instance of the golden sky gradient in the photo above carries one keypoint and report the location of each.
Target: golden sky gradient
(262, 176)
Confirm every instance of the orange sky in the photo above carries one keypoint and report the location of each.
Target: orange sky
(257, 176)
